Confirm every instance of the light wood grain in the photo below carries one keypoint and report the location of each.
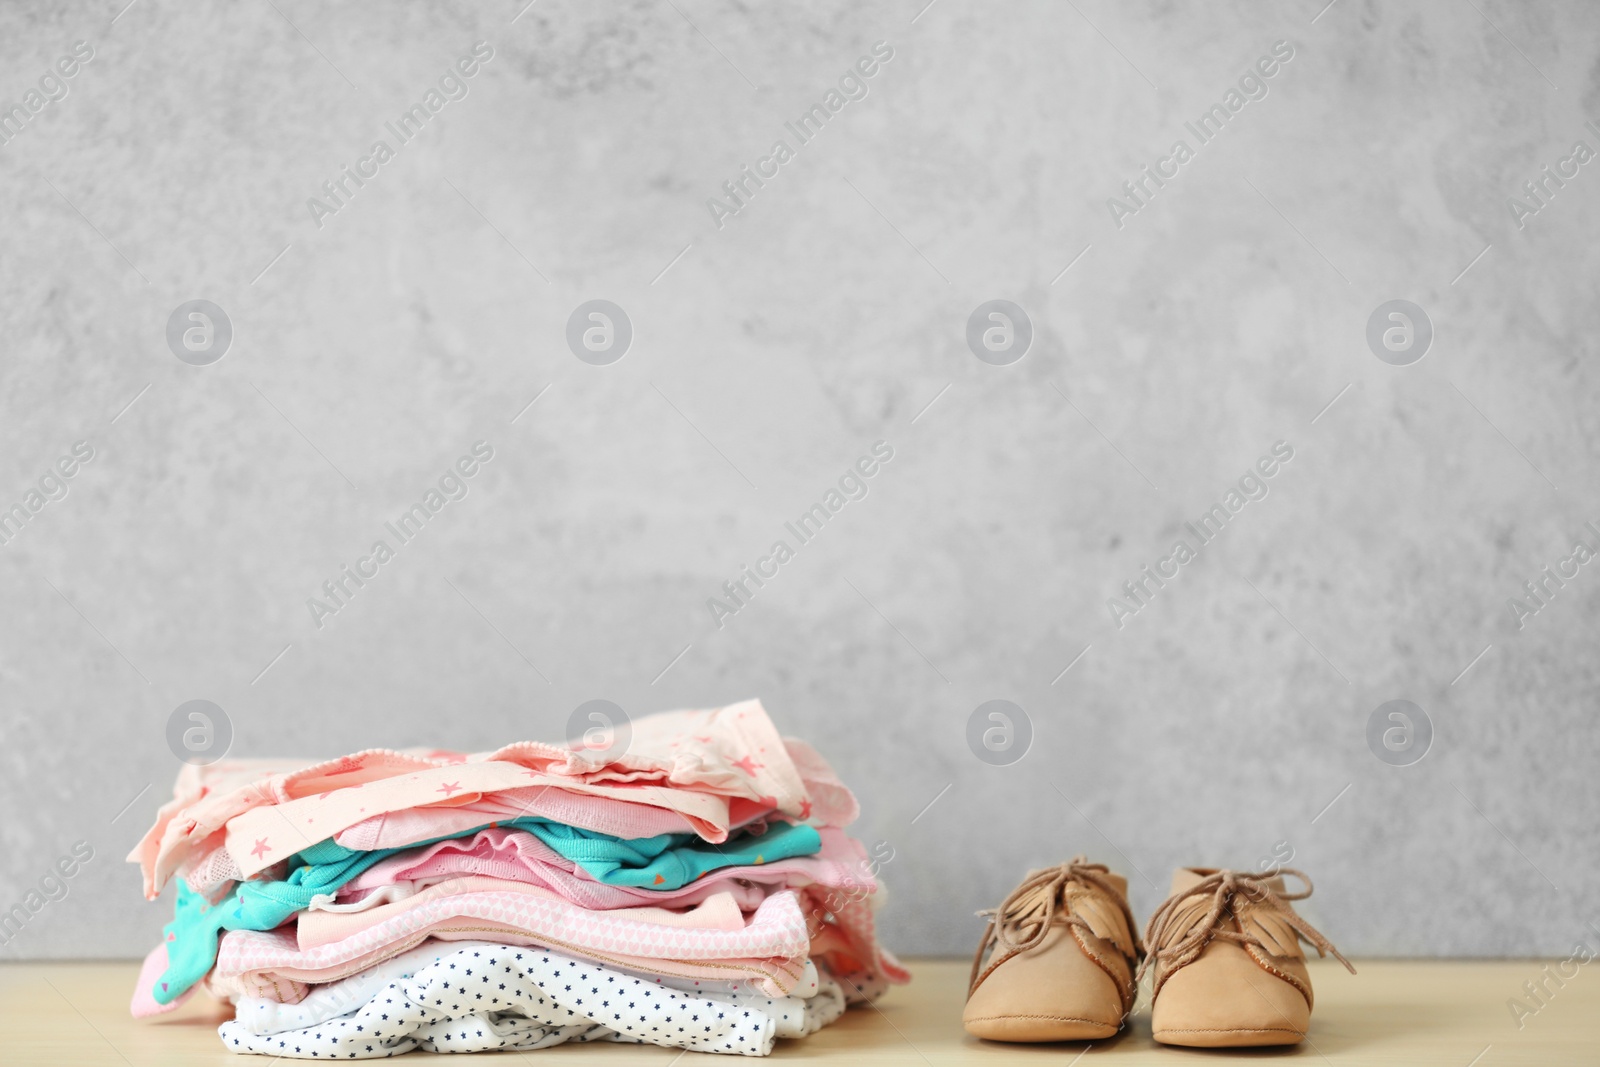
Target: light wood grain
(1415, 1013)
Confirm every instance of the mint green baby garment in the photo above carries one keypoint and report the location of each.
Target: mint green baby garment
(671, 861)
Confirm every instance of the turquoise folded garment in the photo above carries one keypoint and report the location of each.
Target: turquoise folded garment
(671, 861)
(664, 862)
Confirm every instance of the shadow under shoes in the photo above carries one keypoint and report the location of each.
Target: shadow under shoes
(1225, 955)
(1061, 953)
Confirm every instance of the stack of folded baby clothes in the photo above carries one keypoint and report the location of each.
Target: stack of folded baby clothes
(687, 885)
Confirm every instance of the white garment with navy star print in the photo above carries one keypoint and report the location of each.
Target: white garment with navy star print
(487, 998)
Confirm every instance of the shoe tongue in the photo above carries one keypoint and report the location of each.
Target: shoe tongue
(1187, 877)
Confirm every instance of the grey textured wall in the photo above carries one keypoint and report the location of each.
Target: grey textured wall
(1175, 341)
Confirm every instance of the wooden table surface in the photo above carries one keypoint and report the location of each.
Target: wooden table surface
(1416, 1013)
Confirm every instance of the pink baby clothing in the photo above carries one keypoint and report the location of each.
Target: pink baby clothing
(733, 751)
(850, 940)
(187, 837)
(683, 761)
(772, 946)
(261, 837)
(503, 853)
(205, 798)
(315, 928)
(829, 801)
(676, 760)
(830, 804)
(618, 818)
(214, 868)
(746, 896)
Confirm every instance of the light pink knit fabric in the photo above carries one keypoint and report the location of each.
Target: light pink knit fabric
(316, 928)
(772, 945)
(398, 829)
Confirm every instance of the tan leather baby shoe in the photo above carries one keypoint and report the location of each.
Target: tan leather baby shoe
(1062, 963)
(1225, 952)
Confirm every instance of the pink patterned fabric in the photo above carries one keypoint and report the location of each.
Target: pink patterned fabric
(259, 838)
(829, 801)
(829, 804)
(690, 762)
(313, 929)
(772, 947)
(205, 798)
(618, 818)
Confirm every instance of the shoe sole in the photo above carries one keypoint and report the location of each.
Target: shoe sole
(1038, 1029)
(1223, 1037)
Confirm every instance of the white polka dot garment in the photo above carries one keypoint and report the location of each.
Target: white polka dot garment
(485, 999)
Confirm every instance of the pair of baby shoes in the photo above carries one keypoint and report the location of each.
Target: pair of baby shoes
(1059, 959)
